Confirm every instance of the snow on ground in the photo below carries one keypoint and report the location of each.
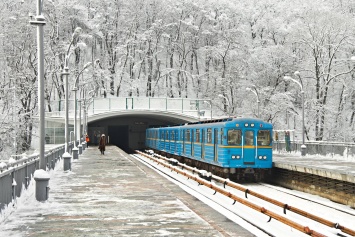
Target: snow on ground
(240, 214)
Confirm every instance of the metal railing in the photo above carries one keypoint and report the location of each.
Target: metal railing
(16, 174)
(319, 148)
(192, 107)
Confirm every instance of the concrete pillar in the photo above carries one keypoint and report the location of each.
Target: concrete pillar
(67, 161)
(42, 189)
(75, 151)
(80, 147)
(84, 145)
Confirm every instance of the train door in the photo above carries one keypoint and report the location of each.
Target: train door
(175, 135)
(183, 142)
(162, 140)
(155, 138)
(215, 145)
(249, 152)
(203, 143)
(192, 143)
(168, 140)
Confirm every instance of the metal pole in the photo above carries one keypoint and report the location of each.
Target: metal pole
(40, 53)
(75, 149)
(80, 146)
(66, 129)
(84, 120)
(211, 108)
(75, 116)
(42, 163)
(303, 147)
(80, 131)
(258, 107)
(41, 177)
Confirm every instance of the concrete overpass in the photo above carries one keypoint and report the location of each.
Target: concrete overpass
(124, 119)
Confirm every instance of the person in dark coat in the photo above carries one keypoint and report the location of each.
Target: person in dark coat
(102, 144)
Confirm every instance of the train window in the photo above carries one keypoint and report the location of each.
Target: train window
(197, 135)
(234, 137)
(209, 135)
(167, 135)
(172, 135)
(221, 135)
(264, 138)
(188, 135)
(249, 138)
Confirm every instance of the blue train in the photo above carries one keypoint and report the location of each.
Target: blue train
(234, 147)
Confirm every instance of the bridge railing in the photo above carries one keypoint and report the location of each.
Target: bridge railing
(200, 108)
(17, 172)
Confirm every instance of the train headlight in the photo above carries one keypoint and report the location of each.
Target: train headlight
(246, 125)
(264, 157)
(238, 157)
(233, 157)
(252, 125)
(260, 157)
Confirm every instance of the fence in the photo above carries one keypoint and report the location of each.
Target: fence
(17, 174)
(319, 148)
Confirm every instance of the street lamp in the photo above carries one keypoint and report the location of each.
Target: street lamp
(210, 103)
(227, 100)
(65, 73)
(297, 73)
(41, 176)
(255, 91)
(75, 89)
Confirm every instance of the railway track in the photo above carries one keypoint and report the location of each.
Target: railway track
(261, 204)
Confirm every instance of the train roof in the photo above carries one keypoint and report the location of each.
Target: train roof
(225, 122)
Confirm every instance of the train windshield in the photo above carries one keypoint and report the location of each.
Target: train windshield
(249, 138)
(264, 137)
(234, 137)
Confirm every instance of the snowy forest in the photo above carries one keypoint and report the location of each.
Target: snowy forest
(213, 49)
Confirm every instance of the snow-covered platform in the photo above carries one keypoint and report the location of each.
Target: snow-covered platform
(113, 195)
(336, 167)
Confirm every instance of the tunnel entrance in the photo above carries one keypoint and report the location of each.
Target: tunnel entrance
(119, 136)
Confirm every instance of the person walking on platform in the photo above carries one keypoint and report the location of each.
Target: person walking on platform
(102, 144)
(87, 139)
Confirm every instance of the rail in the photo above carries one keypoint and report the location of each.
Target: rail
(206, 181)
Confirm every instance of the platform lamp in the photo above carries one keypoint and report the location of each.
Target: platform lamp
(255, 91)
(75, 89)
(41, 176)
(227, 102)
(300, 83)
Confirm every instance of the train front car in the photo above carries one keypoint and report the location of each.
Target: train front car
(247, 148)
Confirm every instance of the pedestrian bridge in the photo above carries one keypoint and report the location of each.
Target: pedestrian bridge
(124, 119)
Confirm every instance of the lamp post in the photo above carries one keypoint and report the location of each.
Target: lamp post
(210, 104)
(75, 89)
(297, 73)
(255, 91)
(79, 137)
(65, 73)
(41, 177)
(227, 100)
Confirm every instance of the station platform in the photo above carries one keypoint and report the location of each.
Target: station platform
(114, 195)
(336, 167)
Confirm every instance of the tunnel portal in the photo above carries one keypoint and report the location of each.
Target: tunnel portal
(128, 131)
